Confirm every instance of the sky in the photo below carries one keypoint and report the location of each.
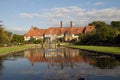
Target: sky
(19, 15)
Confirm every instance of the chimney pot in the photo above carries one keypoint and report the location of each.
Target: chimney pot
(61, 24)
(71, 25)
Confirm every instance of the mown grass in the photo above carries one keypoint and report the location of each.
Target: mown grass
(4, 50)
(112, 50)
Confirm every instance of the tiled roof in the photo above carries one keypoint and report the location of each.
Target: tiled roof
(58, 30)
(76, 30)
(64, 29)
(36, 32)
(53, 30)
(89, 28)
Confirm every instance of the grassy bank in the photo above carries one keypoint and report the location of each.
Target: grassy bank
(112, 50)
(7, 50)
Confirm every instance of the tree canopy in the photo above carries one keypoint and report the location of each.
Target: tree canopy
(17, 39)
(104, 34)
(115, 24)
(98, 24)
(4, 36)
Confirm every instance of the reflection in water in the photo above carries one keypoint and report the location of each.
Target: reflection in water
(106, 62)
(63, 57)
(10, 57)
(1, 66)
(59, 64)
(66, 57)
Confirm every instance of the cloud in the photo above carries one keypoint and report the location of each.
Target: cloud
(99, 3)
(76, 14)
(107, 15)
(29, 15)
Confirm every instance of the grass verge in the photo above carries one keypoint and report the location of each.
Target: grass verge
(7, 50)
(104, 49)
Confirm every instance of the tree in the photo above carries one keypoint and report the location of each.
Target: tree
(80, 37)
(98, 24)
(39, 41)
(34, 41)
(4, 36)
(115, 24)
(104, 34)
(1, 32)
(17, 39)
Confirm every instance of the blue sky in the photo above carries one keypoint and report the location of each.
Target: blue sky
(22, 14)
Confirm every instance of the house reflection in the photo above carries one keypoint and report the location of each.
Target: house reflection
(62, 57)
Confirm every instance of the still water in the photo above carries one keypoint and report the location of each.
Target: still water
(59, 64)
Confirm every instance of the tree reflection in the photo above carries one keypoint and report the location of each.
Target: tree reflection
(1, 65)
(70, 62)
(106, 62)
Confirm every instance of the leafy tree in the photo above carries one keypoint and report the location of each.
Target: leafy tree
(80, 37)
(4, 36)
(104, 35)
(115, 24)
(98, 24)
(39, 41)
(107, 33)
(1, 32)
(18, 39)
(34, 41)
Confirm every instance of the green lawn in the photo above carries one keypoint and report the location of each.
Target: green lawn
(5, 50)
(113, 50)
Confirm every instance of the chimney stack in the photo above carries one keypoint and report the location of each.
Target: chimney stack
(32, 27)
(71, 25)
(61, 24)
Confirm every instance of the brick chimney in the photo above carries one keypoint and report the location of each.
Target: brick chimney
(32, 27)
(61, 24)
(71, 25)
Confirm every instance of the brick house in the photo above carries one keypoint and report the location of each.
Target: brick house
(53, 33)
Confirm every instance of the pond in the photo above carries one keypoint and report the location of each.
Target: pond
(59, 64)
